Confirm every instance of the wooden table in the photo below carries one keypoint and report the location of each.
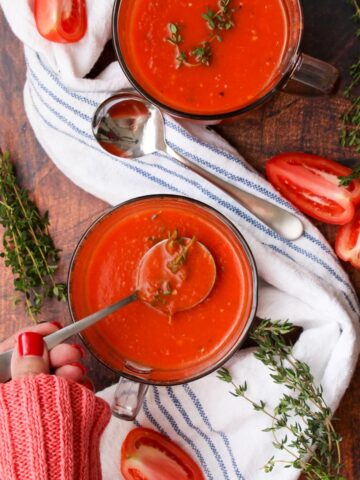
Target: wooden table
(286, 123)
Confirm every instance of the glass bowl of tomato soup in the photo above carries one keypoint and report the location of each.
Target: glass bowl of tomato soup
(138, 341)
(213, 59)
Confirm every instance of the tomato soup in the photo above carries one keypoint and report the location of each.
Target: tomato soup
(139, 338)
(191, 57)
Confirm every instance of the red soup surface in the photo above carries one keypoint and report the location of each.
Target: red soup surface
(242, 67)
(139, 338)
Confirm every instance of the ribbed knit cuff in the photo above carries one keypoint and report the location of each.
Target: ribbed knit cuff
(50, 429)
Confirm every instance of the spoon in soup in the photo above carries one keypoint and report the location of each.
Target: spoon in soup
(174, 275)
(129, 126)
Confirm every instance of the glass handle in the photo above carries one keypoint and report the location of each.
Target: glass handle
(312, 76)
(128, 399)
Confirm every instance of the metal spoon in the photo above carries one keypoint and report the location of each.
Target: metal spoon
(61, 335)
(129, 126)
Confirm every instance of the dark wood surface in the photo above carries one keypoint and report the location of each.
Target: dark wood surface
(286, 123)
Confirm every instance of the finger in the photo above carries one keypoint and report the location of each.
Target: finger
(65, 353)
(42, 328)
(30, 356)
(75, 372)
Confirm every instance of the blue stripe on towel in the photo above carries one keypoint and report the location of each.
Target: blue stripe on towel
(176, 402)
(181, 434)
(214, 149)
(76, 112)
(151, 418)
(64, 87)
(219, 200)
(196, 402)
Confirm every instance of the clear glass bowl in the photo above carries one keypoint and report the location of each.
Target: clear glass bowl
(135, 370)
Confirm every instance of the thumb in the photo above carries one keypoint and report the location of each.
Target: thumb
(30, 357)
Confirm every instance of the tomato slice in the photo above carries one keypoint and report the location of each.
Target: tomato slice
(61, 21)
(347, 244)
(311, 183)
(147, 455)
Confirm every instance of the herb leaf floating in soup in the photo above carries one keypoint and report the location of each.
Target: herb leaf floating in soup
(222, 19)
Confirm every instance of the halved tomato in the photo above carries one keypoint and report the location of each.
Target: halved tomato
(148, 455)
(311, 183)
(62, 21)
(347, 244)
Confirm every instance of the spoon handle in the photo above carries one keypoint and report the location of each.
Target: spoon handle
(284, 223)
(61, 335)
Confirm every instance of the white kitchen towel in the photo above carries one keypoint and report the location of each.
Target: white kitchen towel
(301, 281)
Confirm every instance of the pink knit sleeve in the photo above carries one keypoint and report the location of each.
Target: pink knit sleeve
(50, 429)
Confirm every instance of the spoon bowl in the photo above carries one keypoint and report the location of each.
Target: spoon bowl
(176, 276)
(129, 126)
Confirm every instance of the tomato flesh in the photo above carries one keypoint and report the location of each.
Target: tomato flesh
(347, 245)
(61, 21)
(147, 455)
(311, 183)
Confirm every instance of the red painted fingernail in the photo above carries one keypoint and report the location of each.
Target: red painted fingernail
(56, 324)
(79, 365)
(30, 343)
(80, 348)
(88, 384)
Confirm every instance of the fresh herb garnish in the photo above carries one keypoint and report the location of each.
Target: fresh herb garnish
(173, 240)
(202, 53)
(347, 179)
(222, 19)
(301, 422)
(176, 39)
(28, 248)
(167, 289)
(160, 299)
(350, 133)
(218, 21)
(176, 242)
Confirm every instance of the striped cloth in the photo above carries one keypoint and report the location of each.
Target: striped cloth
(301, 281)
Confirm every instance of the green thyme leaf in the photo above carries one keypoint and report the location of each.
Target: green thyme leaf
(346, 180)
(221, 20)
(29, 250)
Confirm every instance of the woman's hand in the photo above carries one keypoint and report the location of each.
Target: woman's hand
(31, 357)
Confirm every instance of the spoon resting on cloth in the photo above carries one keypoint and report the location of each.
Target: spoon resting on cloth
(129, 126)
(174, 275)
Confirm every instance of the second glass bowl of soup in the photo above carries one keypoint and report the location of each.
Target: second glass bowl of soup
(159, 43)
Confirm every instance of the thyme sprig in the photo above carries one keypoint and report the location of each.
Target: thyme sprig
(29, 250)
(344, 181)
(163, 291)
(301, 422)
(350, 133)
(222, 19)
(202, 53)
(176, 40)
(218, 21)
(175, 241)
